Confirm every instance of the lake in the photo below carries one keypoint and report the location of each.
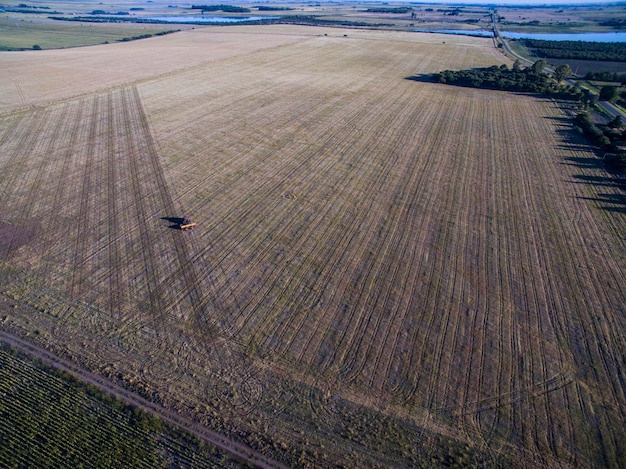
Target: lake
(592, 37)
(462, 32)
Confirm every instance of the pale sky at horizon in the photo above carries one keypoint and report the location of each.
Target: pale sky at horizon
(525, 2)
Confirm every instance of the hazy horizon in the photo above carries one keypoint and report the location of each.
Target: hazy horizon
(524, 2)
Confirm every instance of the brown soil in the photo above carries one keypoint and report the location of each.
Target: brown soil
(384, 271)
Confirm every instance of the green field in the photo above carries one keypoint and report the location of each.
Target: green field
(23, 32)
(49, 419)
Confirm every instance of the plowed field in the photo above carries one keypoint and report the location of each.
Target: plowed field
(385, 272)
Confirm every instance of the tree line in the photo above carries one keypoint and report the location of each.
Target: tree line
(579, 50)
(607, 76)
(389, 10)
(530, 80)
(224, 8)
(534, 79)
(606, 137)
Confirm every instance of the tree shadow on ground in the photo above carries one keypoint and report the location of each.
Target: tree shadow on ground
(600, 180)
(615, 203)
(602, 177)
(564, 120)
(581, 162)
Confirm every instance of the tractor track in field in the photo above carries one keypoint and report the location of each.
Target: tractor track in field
(284, 173)
(12, 170)
(34, 207)
(325, 259)
(382, 371)
(192, 268)
(312, 265)
(186, 263)
(552, 384)
(447, 268)
(151, 197)
(425, 172)
(498, 283)
(18, 131)
(415, 304)
(309, 266)
(192, 265)
(245, 209)
(353, 361)
(573, 266)
(443, 261)
(402, 213)
(502, 265)
(436, 229)
(58, 201)
(398, 347)
(114, 222)
(138, 181)
(368, 327)
(84, 212)
(332, 360)
(602, 329)
(232, 447)
(535, 294)
(468, 216)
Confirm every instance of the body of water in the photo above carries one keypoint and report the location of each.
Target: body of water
(592, 37)
(619, 36)
(462, 32)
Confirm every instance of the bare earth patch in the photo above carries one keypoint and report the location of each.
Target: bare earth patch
(384, 272)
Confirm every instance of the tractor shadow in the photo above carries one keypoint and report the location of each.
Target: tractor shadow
(175, 222)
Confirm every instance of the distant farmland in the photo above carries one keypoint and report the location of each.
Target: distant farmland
(385, 272)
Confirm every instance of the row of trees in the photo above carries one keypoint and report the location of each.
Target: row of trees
(617, 23)
(532, 79)
(389, 10)
(273, 8)
(224, 8)
(579, 50)
(606, 76)
(607, 137)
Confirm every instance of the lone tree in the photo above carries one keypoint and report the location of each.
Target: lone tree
(608, 93)
(538, 66)
(616, 122)
(562, 72)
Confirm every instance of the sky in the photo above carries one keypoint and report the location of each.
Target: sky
(525, 2)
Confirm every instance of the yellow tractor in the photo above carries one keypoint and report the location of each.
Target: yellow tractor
(186, 224)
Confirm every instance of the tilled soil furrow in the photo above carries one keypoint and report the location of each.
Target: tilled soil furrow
(81, 229)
